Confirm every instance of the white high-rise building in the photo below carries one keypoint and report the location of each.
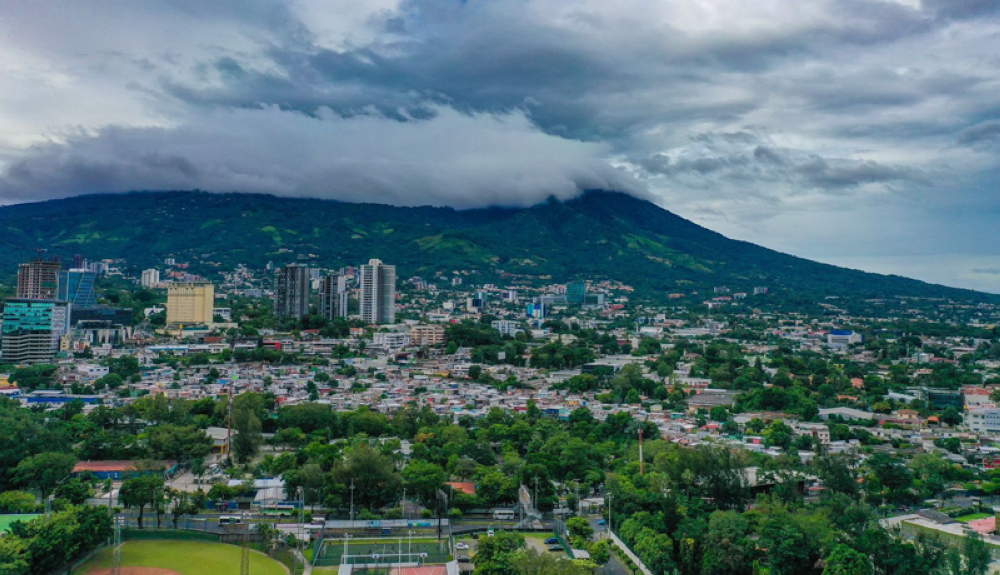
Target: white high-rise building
(378, 292)
(150, 278)
(333, 296)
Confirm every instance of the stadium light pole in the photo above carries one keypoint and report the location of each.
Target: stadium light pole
(352, 503)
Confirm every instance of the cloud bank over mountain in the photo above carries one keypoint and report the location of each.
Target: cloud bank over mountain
(449, 158)
(829, 128)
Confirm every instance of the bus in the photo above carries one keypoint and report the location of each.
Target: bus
(230, 520)
(503, 514)
(279, 509)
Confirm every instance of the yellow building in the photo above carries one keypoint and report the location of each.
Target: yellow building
(190, 302)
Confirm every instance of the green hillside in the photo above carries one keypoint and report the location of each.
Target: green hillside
(599, 234)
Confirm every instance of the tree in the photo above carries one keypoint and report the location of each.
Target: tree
(719, 413)
(424, 479)
(532, 562)
(600, 552)
(183, 504)
(579, 527)
(655, 550)
(837, 473)
(75, 491)
(17, 502)
(977, 555)
(728, 548)
(376, 483)
(779, 434)
(310, 478)
(248, 438)
(788, 551)
(183, 443)
(14, 556)
(55, 540)
(140, 491)
(932, 472)
(888, 478)
(496, 555)
(44, 471)
(951, 417)
(846, 561)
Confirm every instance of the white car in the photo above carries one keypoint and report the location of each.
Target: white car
(461, 546)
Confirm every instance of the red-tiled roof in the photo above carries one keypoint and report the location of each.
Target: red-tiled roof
(466, 488)
(97, 466)
(113, 465)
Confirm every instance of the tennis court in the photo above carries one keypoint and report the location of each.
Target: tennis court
(381, 551)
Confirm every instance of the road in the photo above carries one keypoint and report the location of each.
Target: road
(614, 567)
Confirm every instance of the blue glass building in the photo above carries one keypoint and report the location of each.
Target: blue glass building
(77, 287)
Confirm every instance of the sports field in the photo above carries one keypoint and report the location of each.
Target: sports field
(372, 550)
(6, 520)
(184, 558)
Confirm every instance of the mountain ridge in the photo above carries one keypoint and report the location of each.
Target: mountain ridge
(599, 234)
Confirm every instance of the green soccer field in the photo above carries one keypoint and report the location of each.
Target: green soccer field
(187, 558)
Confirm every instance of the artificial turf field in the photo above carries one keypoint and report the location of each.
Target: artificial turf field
(185, 558)
(6, 520)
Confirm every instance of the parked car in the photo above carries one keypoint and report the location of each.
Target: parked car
(551, 541)
(464, 559)
(555, 548)
(602, 522)
(461, 546)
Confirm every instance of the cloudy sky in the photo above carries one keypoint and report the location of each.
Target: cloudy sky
(859, 132)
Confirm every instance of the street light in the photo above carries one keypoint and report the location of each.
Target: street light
(352, 503)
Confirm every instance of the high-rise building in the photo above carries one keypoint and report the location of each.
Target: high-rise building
(576, 293)
(427, 335)
(32, 329)
(38, 279)
(190, 302)
(292, 291)
(378, 292)
(77, 261)
(333, 297)
(76, 286)
(150, 277)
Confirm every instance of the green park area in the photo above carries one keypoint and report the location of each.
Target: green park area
(973, 517)
(186, 558)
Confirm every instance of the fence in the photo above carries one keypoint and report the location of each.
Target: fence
(130, 534)
(380, 551)
(282, 553)
(635, 558)
(87, 557)
(562, 534)
(167, 522)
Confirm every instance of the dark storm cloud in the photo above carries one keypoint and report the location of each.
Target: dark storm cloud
(732, 159)
(987, 131)
(962, 9)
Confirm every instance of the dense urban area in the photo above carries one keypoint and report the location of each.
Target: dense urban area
(350, 417)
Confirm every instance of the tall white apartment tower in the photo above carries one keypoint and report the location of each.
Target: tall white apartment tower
(378, 292)
(150, 277)
(333, 296)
